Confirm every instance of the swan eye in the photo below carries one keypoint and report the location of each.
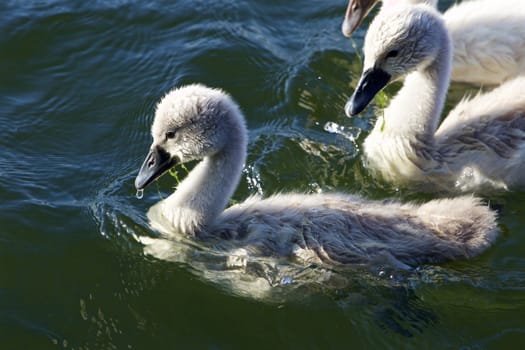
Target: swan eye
(392, 53)
(170, 134)
(355, 7)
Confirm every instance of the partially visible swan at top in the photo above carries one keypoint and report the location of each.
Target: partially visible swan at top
(481, 143)
(199, 123)
(357, 10)
(488, 36)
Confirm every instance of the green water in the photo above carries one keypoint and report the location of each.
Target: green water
(78, 85)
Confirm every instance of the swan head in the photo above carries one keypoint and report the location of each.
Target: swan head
(191, 122)
(356, 11)
(401, 39)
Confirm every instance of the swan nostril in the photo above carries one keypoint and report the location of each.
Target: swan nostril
(151, 160)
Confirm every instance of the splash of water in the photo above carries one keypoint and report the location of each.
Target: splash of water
(349, 132)
(140, 194)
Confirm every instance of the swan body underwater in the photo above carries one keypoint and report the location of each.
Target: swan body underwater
(488, 36)
(479, 145)
(195, 122)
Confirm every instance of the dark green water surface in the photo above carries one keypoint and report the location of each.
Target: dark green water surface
(78, 85)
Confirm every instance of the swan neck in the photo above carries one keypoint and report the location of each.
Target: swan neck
(204, 194)
(416, 110)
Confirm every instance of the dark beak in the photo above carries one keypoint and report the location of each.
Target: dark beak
(157, 163)
(355, 13)
(371, 82)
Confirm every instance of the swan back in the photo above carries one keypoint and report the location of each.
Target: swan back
(489, 40)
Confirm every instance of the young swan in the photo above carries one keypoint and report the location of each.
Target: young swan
(488, 36)
(196, 122)
(481, 143)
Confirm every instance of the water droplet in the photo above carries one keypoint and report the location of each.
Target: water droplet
(140, 194)
(286, 281)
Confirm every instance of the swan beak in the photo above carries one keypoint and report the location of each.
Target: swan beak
(355, 13)
(371, 82)
(157, 162)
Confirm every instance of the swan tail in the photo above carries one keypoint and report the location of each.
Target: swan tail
(465, 226)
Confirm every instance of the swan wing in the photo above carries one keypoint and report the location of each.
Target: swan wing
(487, 131)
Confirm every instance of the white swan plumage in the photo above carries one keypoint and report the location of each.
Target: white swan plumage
(195, 122)
(488, 36)
(480, 144)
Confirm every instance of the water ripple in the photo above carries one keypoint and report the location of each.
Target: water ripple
(78, 85)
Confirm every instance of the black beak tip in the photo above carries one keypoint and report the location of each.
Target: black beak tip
(143, 179)
(351, 108)
(139, 185)
(370, 83)
(346, 29)
(157, 162)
